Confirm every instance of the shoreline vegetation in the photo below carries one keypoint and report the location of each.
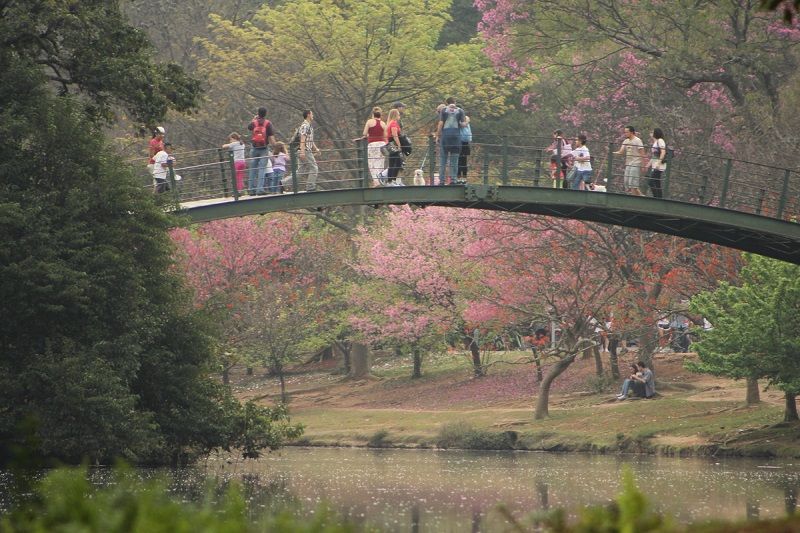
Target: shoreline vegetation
(66, 498)
(693, 414)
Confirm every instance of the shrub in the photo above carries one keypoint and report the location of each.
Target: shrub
(465, 436)
(600, 384)
(378, 439)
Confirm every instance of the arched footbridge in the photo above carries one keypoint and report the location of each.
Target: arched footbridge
(738, 204)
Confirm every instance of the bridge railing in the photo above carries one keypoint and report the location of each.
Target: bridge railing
(690, 177)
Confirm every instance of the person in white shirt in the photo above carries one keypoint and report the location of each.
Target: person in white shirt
(657, 163)
(161, 163)
(583, 164)
(236, 147)
(633, 149)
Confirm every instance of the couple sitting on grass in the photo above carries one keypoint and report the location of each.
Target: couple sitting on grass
(641, 382)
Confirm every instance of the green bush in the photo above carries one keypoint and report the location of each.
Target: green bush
(378, 439)
(66, 501)
(465, 436)
(601, 384)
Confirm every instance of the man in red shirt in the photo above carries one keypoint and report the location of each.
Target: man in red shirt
(155, 146)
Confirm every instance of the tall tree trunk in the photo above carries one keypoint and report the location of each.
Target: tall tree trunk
(537, 360)
(543, 401)
(477, 367)
(753, 395)
(598, 361)
(344, 347)
(283, 385)
(360, 359)
(417, 356)
(648, 343)
(790, 413)
(613, 344)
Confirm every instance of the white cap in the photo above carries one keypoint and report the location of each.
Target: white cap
(159, 129)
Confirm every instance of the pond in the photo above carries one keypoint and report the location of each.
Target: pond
(427, 490)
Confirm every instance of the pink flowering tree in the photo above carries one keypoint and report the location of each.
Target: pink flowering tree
(222, 259)
(416, 278)
(533, 275)
(714, 74)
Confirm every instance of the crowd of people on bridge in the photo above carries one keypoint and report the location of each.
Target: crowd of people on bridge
(265, 170)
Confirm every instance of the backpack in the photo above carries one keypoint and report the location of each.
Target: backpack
(405, 144)
(670, 153)
(452, 119)
(259, 136)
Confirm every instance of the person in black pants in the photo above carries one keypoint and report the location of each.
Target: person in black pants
(657, 162)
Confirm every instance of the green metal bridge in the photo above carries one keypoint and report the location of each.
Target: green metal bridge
(738, 204)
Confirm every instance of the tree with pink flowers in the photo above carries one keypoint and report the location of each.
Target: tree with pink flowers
(533, 274)
(416, 278)
(716, 75)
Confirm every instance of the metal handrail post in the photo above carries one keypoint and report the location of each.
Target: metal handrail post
(221, 157)
(726, 183)
(557, 179)
(173, 182)
(537, 169)
(362, 155)
(486, 165)
(784, 193)
(293, 160)
(665, 181)
(431, 158)
(610, 166)
(504, 173)
(235, 184)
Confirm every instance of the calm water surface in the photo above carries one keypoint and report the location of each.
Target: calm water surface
(442, 491)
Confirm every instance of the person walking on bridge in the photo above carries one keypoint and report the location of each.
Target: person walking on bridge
(262, 137)
(448, 130)
(657, 162)
(306, 151)
(375, 135)
(633, 150)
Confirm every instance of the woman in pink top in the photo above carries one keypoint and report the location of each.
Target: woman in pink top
(395, 155)
(375, 134)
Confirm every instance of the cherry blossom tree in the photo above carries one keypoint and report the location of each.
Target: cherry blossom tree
(699, 70)
(417, 279)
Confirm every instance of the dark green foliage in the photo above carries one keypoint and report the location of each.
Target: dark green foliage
(756, 333)
(88, 47)
(464, 436)
(66, 501)
(378, 439)
(102, 353)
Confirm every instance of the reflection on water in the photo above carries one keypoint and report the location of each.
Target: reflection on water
(423, 490)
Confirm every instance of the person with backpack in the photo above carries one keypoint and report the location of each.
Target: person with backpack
(448, 131)
(393, 132)
(658, 163)
(262, 136)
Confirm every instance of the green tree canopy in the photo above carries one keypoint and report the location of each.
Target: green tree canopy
(344, 57)
(755, 329)
(88, 48)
